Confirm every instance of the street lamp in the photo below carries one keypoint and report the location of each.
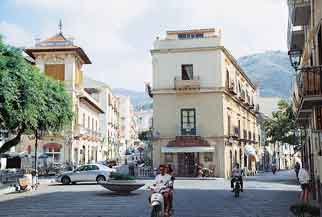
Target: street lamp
(295, 56)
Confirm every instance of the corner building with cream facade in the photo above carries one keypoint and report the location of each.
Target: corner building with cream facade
(203, 105)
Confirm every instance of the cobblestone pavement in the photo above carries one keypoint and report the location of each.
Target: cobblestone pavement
(265, 196)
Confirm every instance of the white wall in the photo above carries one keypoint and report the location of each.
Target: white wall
(206, 64)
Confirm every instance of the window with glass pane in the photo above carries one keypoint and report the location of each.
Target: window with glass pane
(187, 72)
(188, 121)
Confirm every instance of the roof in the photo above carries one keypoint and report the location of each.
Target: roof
(91, 101)
(57, 43)
(191, 31)
(91, 83)
(58, 37)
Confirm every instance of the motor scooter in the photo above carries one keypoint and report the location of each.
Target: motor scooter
(237, 187)
(273, 169)
(157, 200)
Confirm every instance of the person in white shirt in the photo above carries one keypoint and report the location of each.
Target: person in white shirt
(304, 179)
(164, 179)
(236, 175)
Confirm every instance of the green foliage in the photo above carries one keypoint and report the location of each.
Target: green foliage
(301, 209)
(282, 127)
(29, 101)
(119, 176)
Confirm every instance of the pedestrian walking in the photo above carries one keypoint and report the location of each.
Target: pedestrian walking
(304, 179)
(297, 168)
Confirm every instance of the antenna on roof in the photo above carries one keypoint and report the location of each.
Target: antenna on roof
(60, 26)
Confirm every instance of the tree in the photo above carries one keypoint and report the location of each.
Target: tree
(282, 126)
(29, 101)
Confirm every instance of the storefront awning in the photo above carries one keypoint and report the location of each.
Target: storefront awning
(186, 149)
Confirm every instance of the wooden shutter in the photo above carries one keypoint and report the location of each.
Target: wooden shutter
(55, 71)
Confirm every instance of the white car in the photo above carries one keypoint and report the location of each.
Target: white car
(86, 173)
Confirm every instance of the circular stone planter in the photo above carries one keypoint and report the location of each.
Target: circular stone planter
(122, 186)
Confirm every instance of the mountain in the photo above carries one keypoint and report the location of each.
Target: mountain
(271, 70)
(139, 99)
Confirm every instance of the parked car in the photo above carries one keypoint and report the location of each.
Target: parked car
(86, 173)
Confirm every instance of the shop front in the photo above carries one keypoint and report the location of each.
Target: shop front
(186, 154)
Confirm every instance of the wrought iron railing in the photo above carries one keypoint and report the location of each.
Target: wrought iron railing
(309, 81)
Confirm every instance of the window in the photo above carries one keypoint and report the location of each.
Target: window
(208, 157)
(168, 157)
(190, 35)
(187, 72)
(93, 124)
(96, 125)
(188, 121)
(238, 128)
(88, 122)
(229, 125)
(84, 119)
(319, 118)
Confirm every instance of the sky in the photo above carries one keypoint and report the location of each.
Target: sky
(117, 35)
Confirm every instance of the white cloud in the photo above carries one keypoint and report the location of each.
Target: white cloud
(15, 35)
(117, 34)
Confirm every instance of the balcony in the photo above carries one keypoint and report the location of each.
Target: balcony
(230, 87)
(299, 12)
(82, 132)
(242, 96)
(192, 85)
(188, 132)
(295, 37)
(236, 133)
(307, 91)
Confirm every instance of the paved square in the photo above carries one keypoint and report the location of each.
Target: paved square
(264, 196)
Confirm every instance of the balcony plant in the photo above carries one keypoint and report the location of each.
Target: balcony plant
(305, 209)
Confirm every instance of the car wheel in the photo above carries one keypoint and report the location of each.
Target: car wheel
(65, 180)
(100, 179)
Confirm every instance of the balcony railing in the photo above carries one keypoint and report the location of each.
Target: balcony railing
(188, 132)
(81, 131)
(187, 85)
(309, 81)
(230, 87)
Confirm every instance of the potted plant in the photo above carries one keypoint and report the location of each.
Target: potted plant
(121, 183)
(305, 210)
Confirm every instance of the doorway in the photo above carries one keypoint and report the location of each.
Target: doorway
(186, 164)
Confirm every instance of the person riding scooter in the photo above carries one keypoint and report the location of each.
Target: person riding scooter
(164, 179)
(236, 175)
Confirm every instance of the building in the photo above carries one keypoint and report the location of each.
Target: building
(59, 58)
(109, 120)
(144, 120)
(203, 105)
(128, 121)
(305, 50)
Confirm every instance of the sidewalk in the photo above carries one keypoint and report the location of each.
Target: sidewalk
(6, 188)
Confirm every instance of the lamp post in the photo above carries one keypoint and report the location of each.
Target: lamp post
(295, 56)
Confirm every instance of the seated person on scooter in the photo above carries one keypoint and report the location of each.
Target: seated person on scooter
(171, 173)
(236, 175)
(164, 179)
